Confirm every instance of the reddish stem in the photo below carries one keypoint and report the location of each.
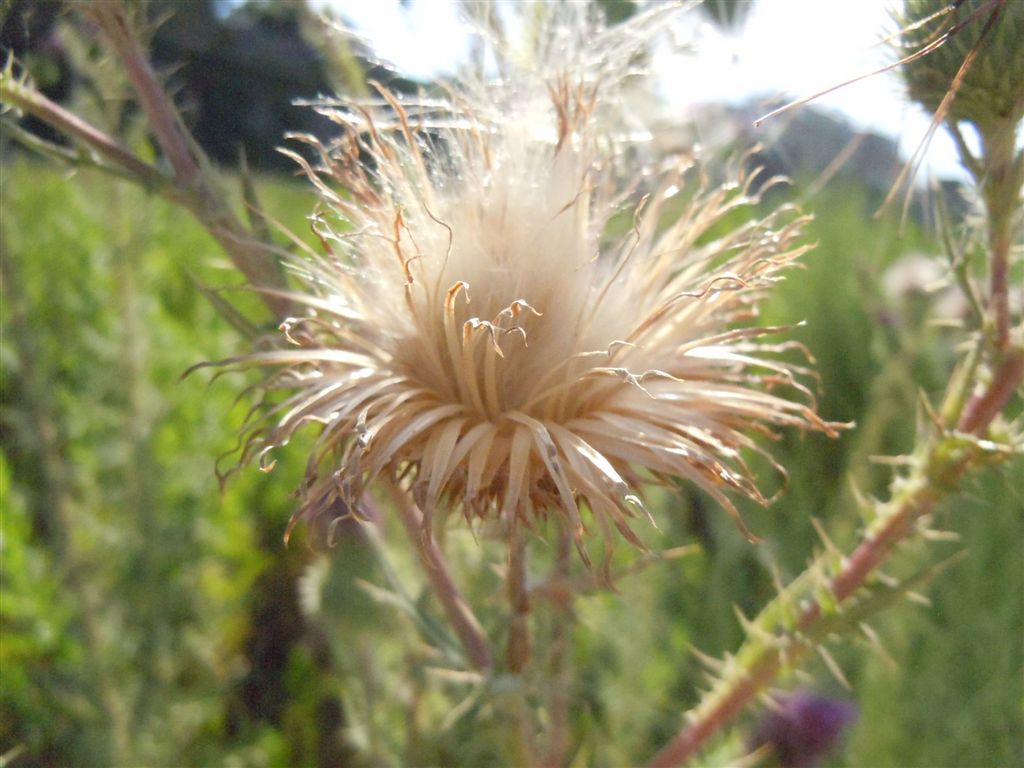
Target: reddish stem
(252, 258)
(467, 628)
(1000, 289)
(158, 108)
(874, 549)
(558, 669)
(982, 409)
(686, 743)
(36, 104)
(518, 650)
(868, 555)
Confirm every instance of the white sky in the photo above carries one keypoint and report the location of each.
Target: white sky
(787, 48)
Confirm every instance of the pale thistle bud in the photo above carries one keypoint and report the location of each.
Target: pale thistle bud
(992, 90)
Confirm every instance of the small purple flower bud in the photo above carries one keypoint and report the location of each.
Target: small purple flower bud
(803, 728)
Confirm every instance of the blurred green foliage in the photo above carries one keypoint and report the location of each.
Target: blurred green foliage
(146, 618)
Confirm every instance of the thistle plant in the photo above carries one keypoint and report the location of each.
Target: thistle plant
(479, 339)
(476, 336)
(517, 319)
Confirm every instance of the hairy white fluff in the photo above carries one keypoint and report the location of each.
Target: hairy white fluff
(477, 329)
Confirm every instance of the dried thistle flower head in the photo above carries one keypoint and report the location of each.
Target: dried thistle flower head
(474, 330)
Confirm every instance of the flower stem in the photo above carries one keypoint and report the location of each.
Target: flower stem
(517, 651)
(1000, 180)
(31, 102)
(708, 719)
(759, 661)
(200, 196)
(471, 635)
(191, 185)
(163, 120)
(559, 677)
(983, 408)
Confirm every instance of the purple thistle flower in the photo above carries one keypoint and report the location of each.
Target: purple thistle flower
(803, 728)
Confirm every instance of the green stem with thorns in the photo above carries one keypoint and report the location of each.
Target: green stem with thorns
(835, 588)
(805, 613)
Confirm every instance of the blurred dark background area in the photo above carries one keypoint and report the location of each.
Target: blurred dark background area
(236, 76)
(236, 70)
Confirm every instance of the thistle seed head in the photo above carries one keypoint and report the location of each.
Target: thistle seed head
(486, 327)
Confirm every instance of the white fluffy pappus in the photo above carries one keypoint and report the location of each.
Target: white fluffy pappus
(474, 329)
